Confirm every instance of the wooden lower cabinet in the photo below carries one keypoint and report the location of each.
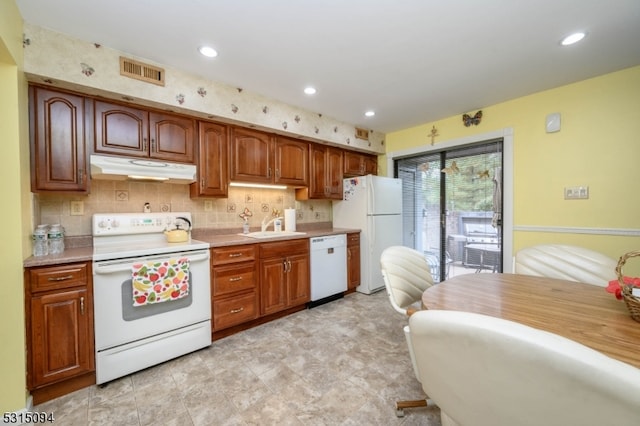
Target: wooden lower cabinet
(234, 289)
(353, 261)
(59, 317)
(284, 275)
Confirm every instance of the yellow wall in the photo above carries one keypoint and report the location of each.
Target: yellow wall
(598, 145)
(15, 216)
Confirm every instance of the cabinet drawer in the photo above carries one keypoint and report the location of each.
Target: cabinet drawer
(353, 239)
(234, 310)
(228, 279)
(57, 277)
(221, 256)
(284, 248)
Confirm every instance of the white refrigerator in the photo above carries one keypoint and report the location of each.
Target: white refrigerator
(374, 205)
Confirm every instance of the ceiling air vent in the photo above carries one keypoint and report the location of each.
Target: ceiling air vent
(362, 134)
(140, 71)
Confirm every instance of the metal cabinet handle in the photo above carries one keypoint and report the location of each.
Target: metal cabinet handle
(235, 311)
(269, 172)
(234, 279)
(82, 305)
(202, 183)
(153, 144)
(235, 254)
(66, 277)
(80, 176)
(144, 144)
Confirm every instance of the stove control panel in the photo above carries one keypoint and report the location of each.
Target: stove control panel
(136, 223)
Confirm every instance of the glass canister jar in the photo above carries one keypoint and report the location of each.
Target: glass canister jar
(56, 239)
(40, 243)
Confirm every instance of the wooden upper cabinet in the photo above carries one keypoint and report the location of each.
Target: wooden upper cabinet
(357, 164)
(57, 132)
(213, 180)
(172, 137)
(135, 132)
(325, 174)
(291, 162)
(251, 156)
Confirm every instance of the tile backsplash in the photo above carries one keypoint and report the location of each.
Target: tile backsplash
(213, 213)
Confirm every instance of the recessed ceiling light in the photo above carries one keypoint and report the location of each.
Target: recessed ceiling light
(572, 38)
(310, 90)
(370, 113)
(208, 51)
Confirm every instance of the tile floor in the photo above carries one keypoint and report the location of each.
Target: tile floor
(342, 363)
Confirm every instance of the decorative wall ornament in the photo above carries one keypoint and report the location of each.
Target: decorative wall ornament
(25, 41)
(180, 98)
(265, 109)
(234, 109)
(284, 125)
(239, 89)
(316, 130)
(453, 169)
(348, 141)
(335, 129)
(202, 91)
(469, 120)
(297, 119)
(87, 70)
(433, 133)
(47, 80)
(97, 45)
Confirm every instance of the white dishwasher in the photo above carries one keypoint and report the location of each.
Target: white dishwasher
(328, 268)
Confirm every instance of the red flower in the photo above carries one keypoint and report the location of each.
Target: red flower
(614, 285)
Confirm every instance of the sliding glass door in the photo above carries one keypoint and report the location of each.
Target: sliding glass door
(452, 206)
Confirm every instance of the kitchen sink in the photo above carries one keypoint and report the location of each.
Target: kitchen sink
(272, 234)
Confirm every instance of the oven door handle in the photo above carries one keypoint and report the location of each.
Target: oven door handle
(112, 266)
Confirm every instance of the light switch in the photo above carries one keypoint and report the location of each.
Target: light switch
(576, 193)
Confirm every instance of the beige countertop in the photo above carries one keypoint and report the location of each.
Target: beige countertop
(213, 237)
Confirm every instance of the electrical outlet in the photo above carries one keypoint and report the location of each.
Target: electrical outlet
(576, 193)
(76, 208)
(208, 205)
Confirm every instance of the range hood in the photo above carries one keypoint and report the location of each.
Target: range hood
(122, 168)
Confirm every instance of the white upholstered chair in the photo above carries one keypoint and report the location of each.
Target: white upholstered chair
(406, 276)
(565, 262)
(482, 370)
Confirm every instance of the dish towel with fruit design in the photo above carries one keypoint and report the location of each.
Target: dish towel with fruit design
(156, 282)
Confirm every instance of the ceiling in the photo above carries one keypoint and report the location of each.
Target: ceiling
(411, 61)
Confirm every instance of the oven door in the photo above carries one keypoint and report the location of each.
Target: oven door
(118, 321)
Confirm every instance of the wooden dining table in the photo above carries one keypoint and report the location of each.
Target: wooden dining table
(581, 312)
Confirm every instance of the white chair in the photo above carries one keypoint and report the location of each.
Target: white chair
(565, 262)
(482, 370)
(406, 276)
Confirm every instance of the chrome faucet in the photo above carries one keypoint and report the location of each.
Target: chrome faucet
(266, 224)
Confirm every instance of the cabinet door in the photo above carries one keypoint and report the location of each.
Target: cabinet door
(318, 171)
(353, 261)
(291, 162)
(298, 280)
(58, 153)
(353, 164)
(120, 130)
(334, 173)
(171, 137)
(251, 156)
(370, 165)
(273, 290)
(62, 337)
(213, 179)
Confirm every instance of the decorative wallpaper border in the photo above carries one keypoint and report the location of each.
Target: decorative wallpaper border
(62, 61)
